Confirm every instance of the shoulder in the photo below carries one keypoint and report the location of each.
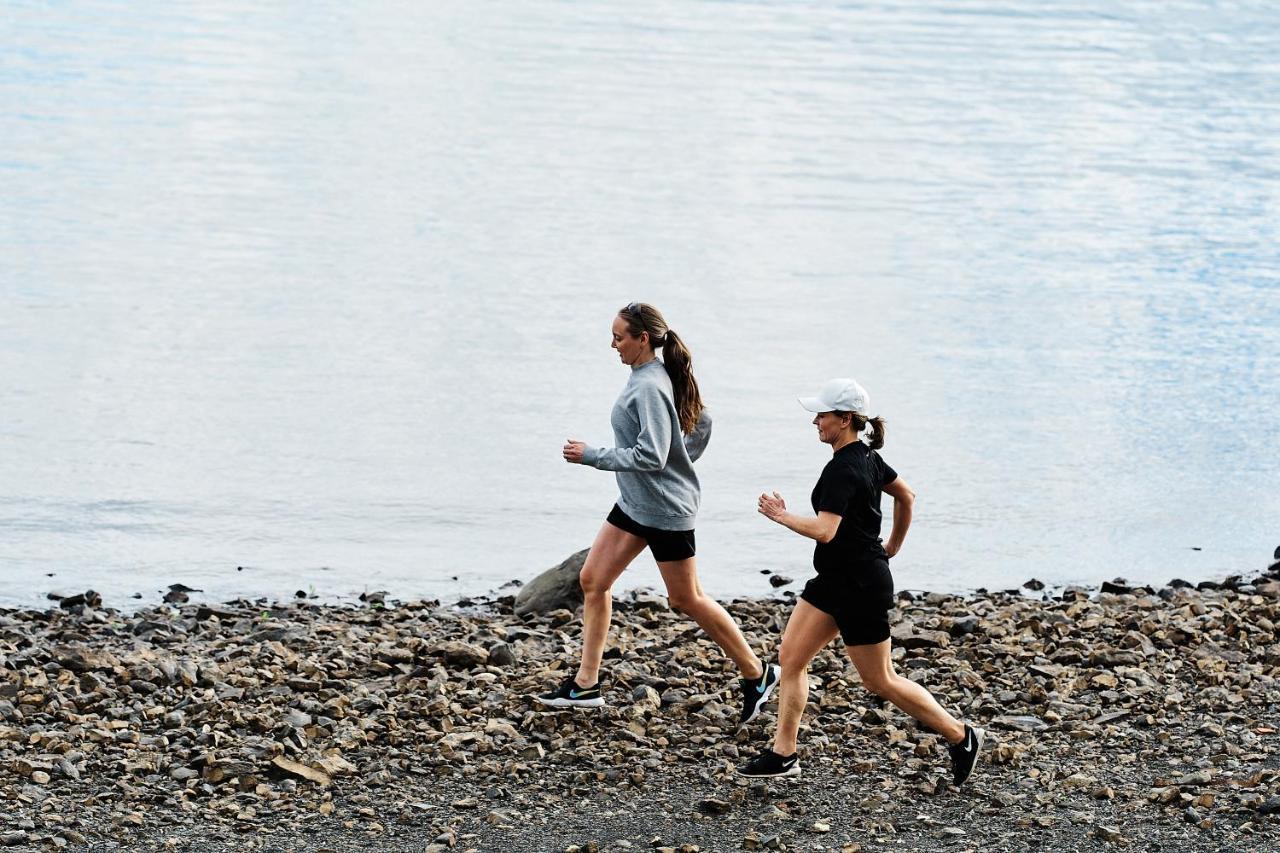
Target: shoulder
(879, 460)
(652, 383)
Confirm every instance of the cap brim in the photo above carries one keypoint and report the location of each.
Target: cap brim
(813, 404)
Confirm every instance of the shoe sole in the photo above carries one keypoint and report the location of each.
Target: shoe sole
(979, 736)
(764, 697)
(793, 770)
(597, 702)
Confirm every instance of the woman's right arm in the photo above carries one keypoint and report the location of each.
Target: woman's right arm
(653, 443)
(820, 528)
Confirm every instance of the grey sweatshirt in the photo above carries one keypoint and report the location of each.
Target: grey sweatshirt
(653, 460)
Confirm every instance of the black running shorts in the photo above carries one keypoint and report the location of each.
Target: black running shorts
(666, 545)
(859, 599)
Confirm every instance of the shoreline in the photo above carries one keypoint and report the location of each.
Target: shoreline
(1116, 719)
(179, 594)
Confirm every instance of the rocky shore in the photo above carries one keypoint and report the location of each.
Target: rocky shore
(1132, 719)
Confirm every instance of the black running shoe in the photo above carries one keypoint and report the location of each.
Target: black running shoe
(570, 695)
(768, 764)
(965, 753)
(756, 691)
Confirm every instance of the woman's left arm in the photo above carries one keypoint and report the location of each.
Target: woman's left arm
(903, 500)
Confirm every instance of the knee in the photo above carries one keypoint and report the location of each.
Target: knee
(592, 584)
(881, 685)
(683, 602)
(791, 661)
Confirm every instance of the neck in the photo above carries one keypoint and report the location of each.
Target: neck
(644, 359)
(845, 439)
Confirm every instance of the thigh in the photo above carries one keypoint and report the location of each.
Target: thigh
(872, 661)
(610, 554)
(807, 631)
(681, 579)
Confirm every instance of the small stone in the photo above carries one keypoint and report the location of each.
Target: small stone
(1109, 834)
(1025, 723)
(300, 770)
(1200, 777)
(40, 777)
(713, 806)
(463, 655)
(779, 580)
(820, 827)
(501, 654)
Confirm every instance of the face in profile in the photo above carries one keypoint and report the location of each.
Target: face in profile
(630, 348)
(830, 426)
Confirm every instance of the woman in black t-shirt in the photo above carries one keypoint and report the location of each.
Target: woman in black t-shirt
(853, 591)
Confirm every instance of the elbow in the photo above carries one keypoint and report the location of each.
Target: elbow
(826, 536)
(648, 463)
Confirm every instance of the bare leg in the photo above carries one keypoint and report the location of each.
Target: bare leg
(610, 554)
(808, 630)
(876, 669)
(684, 594)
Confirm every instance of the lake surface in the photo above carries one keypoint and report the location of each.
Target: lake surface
(319, 290)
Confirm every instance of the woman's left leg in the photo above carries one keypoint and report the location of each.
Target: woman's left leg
(684, 594)
(876, 668)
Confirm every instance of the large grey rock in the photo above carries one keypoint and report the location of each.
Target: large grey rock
(553, 589)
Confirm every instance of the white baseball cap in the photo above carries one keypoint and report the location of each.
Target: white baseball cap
(839, 395)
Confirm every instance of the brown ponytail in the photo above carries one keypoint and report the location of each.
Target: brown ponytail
(875, 437)
(643, 317)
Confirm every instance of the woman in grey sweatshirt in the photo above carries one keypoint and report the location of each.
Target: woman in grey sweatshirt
(660, 428)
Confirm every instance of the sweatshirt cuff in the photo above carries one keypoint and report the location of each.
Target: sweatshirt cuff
(590, 455)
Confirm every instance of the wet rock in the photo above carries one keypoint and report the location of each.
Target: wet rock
(557, 588)
(88, 598)
(779, 580)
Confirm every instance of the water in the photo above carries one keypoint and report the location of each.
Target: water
(319, 291)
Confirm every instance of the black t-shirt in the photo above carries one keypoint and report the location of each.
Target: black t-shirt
(850, 487)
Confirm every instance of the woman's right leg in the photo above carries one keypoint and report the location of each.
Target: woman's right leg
(610, 554)
(807, 631)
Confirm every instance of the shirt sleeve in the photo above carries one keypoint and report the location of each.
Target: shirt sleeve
(696, 442)
(888, 475)
(653, 443)
(833, 492)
